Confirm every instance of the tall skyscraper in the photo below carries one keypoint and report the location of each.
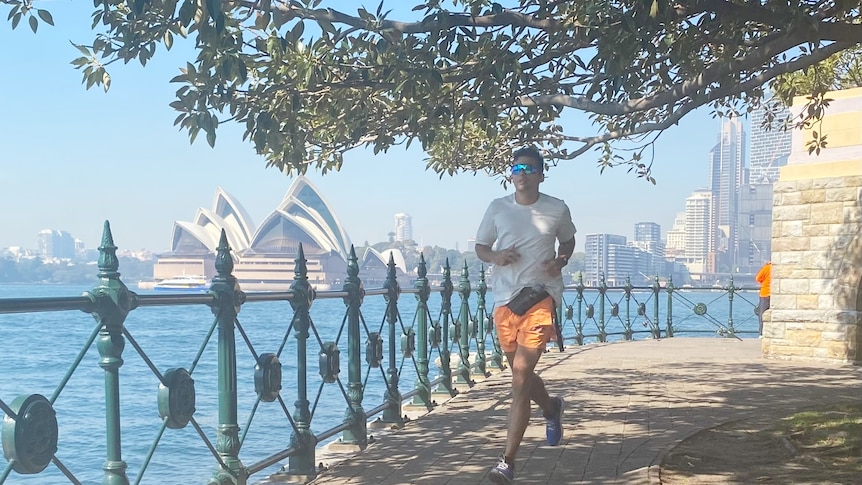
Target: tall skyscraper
(403, 227)
(768, 151)
(699, 233)
(726, 160)
(769, 147)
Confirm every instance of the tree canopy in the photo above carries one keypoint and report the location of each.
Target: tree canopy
(468, 80)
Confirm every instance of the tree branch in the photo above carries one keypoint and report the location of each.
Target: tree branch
(675, 116)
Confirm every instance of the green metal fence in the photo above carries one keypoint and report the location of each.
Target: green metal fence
(385, 350)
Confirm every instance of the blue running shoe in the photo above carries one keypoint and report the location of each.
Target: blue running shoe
(554, 424)
(503, 473)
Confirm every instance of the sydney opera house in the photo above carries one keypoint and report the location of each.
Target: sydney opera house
(264, 255)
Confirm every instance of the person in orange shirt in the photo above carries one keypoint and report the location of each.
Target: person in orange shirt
(764, 277)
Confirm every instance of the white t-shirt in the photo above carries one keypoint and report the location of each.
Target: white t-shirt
(533, 231)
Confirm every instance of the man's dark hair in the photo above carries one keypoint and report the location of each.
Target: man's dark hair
(530, 152)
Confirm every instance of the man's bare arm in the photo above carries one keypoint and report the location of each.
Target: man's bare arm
(565, 250)
(500, 258)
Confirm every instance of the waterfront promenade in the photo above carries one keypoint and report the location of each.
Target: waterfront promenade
(629, 403)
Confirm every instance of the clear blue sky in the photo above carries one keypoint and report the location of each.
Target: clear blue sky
(72, 158)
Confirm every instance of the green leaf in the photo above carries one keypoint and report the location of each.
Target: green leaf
(297, 31)
(83, 50)
(45, 16)
(169, 39)
(261, 20)
(13, 12)
(34, 24)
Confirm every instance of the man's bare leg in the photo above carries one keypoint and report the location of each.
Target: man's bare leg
(526, 387)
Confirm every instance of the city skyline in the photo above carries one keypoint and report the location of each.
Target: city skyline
(74, 158)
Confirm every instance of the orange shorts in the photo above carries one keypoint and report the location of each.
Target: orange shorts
(533, 329)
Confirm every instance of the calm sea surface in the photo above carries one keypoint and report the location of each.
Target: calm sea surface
(37, 351)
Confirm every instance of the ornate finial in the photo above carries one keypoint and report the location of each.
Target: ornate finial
(301, 271)
(464, 283)
(391, 278)
(108, 262)
(391, 266)
(224, 261)
(352, 264)
(423, 268)
(391, 284)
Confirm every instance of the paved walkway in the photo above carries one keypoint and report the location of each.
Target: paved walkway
(628, 404)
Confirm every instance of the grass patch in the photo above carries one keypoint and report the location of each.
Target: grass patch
(831, 436)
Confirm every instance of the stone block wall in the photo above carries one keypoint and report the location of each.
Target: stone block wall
(817, 269)
(816, 303)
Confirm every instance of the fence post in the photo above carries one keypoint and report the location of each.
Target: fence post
(226, 305)
(446, 310)
(656, 291)
(464, 321)
(392, 414)
(358, 433)
(628, 323)
(423, 383)
(669, 306)
(113, 302)
(603, 288)
(480, 366)
(302, 463)
(731, 332)
(579, 334)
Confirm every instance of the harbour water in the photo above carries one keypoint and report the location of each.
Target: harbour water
(37, 350)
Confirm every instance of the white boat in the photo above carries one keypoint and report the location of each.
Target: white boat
(196, 283)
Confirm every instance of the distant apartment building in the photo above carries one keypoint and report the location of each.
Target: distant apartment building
(597, 254)
(674, 245)
(403, 227)
(726, 161)
(608, 256)
(54, 244)
(648, 240)
(647, 232)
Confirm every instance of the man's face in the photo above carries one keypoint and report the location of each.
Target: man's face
(526, 174)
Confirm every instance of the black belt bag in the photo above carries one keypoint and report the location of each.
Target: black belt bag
(526, 299)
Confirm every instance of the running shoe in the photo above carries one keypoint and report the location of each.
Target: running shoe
(502, 473)
(554, 424)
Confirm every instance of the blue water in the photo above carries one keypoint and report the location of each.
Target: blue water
(36, 351)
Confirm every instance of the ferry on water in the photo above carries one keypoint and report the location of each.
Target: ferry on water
(196, 283)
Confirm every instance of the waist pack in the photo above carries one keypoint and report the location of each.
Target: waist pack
(526, 299)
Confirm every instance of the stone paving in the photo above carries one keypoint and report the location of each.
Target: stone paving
(628, 403)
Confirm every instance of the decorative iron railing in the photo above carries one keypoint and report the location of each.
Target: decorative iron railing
(602, 313)
(199, 389)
